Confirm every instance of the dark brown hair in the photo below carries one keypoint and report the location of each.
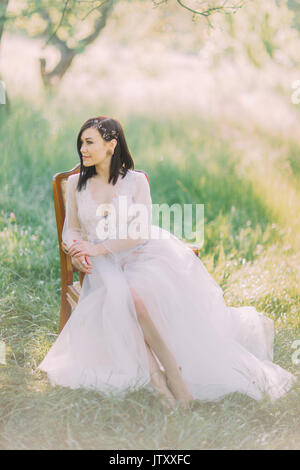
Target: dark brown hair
(121, 160)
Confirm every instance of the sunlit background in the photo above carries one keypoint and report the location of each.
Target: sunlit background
(211, 110)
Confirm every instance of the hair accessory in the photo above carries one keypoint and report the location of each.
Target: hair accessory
(107, 134)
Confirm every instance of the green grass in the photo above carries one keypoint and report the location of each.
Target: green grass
(251, 248)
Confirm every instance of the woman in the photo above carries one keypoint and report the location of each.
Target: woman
(149, 313)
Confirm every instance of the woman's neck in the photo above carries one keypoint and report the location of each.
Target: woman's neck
(103, 170)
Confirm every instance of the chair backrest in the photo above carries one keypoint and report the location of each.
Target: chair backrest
(59, 182)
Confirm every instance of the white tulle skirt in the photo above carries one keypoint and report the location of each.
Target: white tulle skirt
(220, 349)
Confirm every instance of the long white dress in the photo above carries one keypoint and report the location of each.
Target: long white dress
(220, 349)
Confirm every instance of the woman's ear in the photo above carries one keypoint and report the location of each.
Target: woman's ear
(114, 142)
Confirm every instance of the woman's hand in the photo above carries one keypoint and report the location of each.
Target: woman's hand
(83, 264)
(83, 248)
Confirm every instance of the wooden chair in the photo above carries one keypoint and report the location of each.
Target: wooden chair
(70, 289)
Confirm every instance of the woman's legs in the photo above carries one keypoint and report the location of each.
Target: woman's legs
(158, 379)
(155, 341)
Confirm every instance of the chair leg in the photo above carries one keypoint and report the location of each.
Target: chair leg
(65, 312)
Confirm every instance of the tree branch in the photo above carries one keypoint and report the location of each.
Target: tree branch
(60, 22)
(67, 53)
(210, 11)
(3, 18)
(99, 23)
(56, 41)
(95, 8)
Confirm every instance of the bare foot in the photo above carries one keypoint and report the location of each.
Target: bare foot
(179, 388)
(169, 402)
(186, 405)
(159, 382)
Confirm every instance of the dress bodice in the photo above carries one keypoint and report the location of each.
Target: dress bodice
(90, 212)
(111, 223)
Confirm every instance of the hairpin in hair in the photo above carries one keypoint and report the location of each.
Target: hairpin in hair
(107, 134)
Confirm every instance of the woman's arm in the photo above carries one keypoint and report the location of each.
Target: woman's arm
(142, 196)
(136, 233)
(71, 229)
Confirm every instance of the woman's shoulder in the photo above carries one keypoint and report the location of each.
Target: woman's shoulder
(73, 180)
(138, 174)
(139, 179)
(131, 175)
(74, 177)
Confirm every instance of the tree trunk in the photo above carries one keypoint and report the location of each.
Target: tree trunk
(3, 8)
(4, 102)
(52, 78)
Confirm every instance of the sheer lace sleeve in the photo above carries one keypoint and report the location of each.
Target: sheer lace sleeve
(71, 229)
(139, 218)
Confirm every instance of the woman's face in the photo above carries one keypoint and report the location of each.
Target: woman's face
(94, 149)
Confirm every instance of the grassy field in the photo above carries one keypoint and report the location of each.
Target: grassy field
(251, 248)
